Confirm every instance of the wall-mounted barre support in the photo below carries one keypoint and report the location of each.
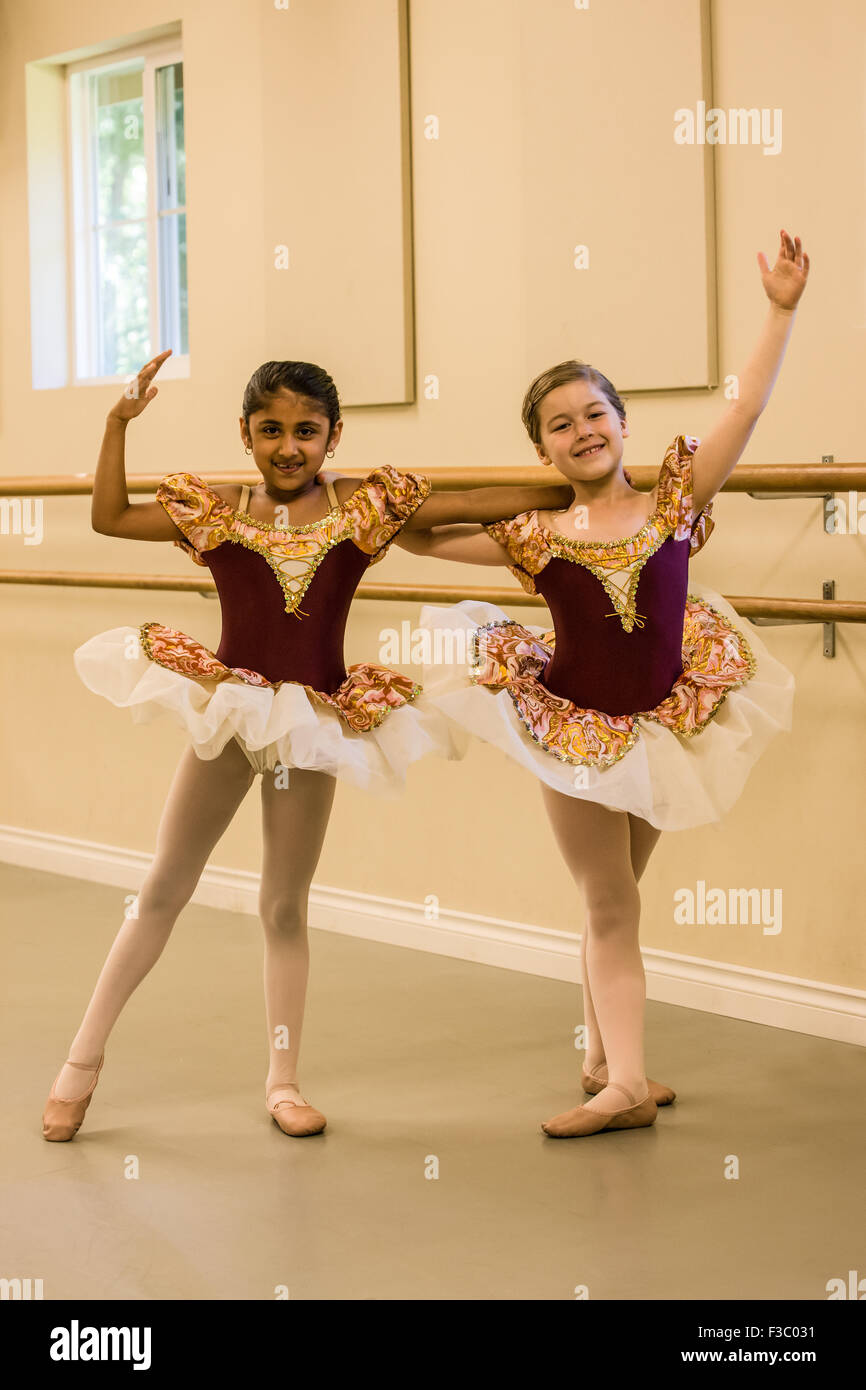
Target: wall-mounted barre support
(843, 516)
(828, 592)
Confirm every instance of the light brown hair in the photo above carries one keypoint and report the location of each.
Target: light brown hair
(560, 375)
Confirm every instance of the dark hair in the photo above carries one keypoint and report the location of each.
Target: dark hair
(303, 377)
(559, 376)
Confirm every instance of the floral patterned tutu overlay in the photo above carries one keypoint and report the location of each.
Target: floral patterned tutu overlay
(508, 656)
(364, 698)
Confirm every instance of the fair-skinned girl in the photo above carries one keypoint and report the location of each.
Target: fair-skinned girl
(647, 707)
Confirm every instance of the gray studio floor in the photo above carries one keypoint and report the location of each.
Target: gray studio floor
(410, 1056)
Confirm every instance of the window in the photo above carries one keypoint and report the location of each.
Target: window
(129, 211)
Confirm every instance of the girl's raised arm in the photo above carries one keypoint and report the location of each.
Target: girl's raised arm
(468, 545)
(111, 512)
(718, 452)
(487, 504)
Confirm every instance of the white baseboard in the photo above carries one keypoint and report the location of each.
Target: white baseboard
(733, 991)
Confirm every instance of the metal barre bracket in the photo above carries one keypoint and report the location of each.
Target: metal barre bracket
(828, 590)
(772, 496)
(829, 526)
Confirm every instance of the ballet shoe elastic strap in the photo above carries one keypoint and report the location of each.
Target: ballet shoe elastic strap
(615, 1086)
(299, 1104)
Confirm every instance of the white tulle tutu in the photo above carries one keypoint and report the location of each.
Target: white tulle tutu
(282, 725)
(672, 781)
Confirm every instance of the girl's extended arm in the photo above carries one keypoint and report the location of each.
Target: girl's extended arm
(717, 454)
(487, 504)
(468, 545)
(111, 513)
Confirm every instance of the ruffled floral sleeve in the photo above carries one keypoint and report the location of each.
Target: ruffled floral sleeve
(198, 511)
(519, 536)
(379, 507)
(675, 489)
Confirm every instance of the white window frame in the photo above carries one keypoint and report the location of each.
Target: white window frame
(156, 54)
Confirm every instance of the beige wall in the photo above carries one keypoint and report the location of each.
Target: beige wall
(472, 833)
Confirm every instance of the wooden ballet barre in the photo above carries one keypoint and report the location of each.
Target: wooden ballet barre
(817, 479)
(779, 609)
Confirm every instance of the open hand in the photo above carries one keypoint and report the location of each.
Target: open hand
(787, 280)
(139, 390)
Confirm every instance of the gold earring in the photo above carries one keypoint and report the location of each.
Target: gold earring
(329, 454)
(248, 451)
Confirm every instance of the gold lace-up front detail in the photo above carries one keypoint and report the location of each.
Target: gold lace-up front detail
(618, 576)
(620, 584)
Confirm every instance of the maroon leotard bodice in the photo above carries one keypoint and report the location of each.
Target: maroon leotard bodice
(597, 664)
(257, 632)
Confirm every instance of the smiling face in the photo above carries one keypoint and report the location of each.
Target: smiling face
(581, 432)
(289, 438)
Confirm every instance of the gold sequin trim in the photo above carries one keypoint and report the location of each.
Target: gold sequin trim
(622, 540)
(144, 639)
(475, 662)
(571, 758)
(751, 669)
(287, 529)
(377, 718)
